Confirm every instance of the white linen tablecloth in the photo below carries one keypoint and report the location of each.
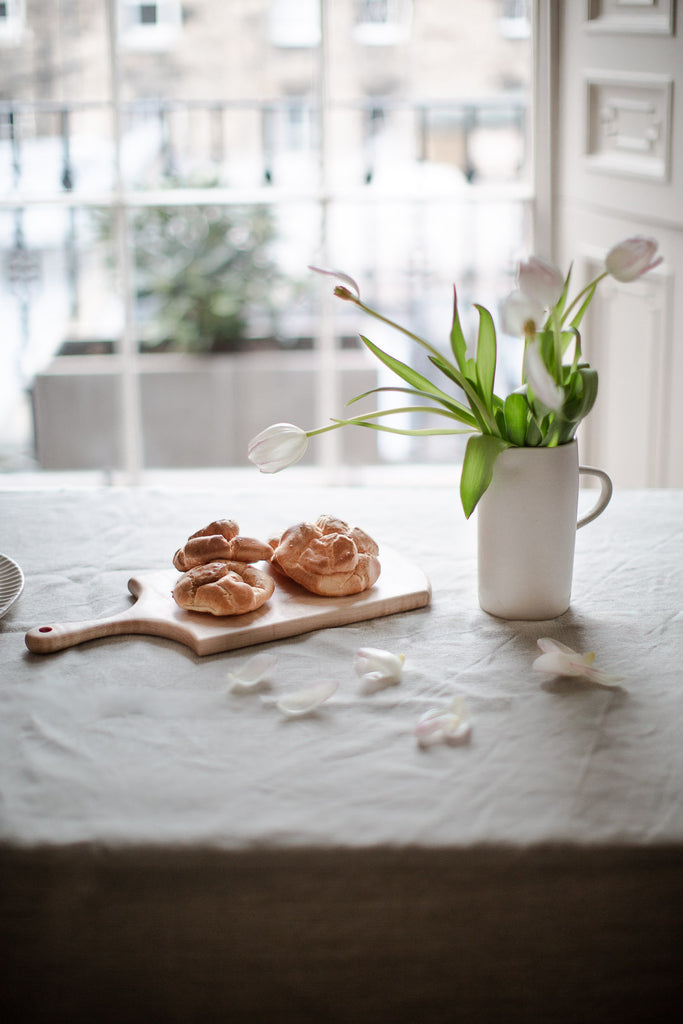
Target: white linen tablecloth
(172, 850)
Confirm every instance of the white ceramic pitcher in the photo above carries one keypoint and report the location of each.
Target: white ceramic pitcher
(527, 530)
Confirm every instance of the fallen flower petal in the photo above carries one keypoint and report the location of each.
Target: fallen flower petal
(303, 702)
(444, 725)
(559, 660)
(372, 659)
(253, 673)
(378, 669)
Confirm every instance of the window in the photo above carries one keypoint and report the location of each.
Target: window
(158, 214)
(295, 23)
(515, 19)
(383, 22)
(149, 26)
(11, 22)
(148, 14)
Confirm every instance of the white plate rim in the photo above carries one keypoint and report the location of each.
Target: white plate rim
(15, 578)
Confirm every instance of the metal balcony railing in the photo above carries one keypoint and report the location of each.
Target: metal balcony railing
(80, 150)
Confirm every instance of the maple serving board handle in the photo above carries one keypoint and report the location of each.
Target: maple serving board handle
(55, 637)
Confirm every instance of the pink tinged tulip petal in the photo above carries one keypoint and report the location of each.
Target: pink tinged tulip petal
(340, 276)
(541, 281)
(252, 675)
(559, 660)
(304, 702)
(521, 315)
(277, 447)
(540, 380)
(378, 669)
(452, 724)
(632, 258)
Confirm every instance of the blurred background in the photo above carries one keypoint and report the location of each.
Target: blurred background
(169, 170)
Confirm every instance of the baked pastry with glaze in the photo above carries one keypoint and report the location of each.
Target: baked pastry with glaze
(223, 588)
(220, 540)
(327, 557)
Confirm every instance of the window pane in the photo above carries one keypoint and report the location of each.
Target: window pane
(163, 192)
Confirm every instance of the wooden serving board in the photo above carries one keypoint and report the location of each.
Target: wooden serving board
(401, 587)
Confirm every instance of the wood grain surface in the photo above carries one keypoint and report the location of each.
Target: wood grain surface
(402, 586)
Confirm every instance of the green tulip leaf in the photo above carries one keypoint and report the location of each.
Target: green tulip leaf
(471, 388)
(477, 469)
(458, 342)
(486, 356)
(455, 408)
(584, 305)
(533, 434)
(418, 381)
(516, 415)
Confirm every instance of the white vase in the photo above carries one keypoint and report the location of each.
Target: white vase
(527, 530)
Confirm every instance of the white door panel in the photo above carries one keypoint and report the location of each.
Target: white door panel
(619, 172)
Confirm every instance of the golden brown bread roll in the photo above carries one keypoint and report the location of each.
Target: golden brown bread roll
(223, 588)
(327, 557)
(220, 540)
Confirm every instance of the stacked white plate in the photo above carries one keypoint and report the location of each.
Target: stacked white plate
(11, 583)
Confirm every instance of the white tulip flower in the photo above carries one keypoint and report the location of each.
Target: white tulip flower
(277, 447)
(540, 280)
(632, 258)
(540, 379)
(521, 315)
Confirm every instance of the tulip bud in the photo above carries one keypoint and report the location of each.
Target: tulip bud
(632, 258)
(541, 281)
(349, 288)
(277, 447)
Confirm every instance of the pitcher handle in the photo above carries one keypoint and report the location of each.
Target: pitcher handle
(603, 499)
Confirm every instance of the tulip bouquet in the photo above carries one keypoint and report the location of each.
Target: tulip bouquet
(557, 391)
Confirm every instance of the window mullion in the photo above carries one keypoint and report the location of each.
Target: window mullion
(544, 122)
(327, 372)
(130, 424)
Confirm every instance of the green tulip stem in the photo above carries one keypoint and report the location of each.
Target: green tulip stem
(576, 300)
(390, 323)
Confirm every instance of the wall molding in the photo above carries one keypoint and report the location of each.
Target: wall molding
(628, 124)
(645, 17)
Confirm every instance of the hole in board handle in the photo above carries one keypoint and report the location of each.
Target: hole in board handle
(45, 629)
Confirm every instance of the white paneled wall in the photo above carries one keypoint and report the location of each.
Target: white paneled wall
(628, 335)
(619, 172)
